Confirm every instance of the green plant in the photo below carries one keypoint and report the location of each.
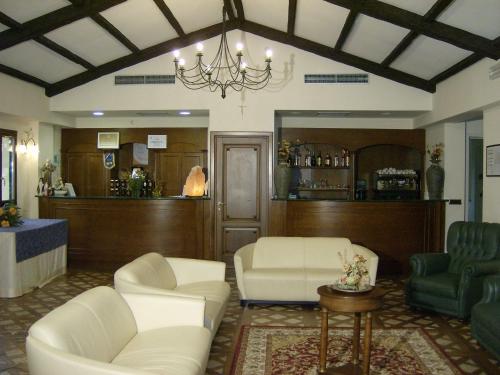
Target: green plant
(435, 151)
(135, 182)
(10, 215)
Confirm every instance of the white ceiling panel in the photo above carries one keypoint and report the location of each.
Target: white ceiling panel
(373, 39)
(416, 6)
(3, 27)
(268, 13)
(130, 17)
(89, 41)
(478, 17)
(25, 10)
(421, 57)
(328, 21)
(36, 60)
(197, 15)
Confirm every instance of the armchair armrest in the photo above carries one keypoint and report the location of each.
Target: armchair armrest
(429, 263)
(481, 268)
(491, 289)
(125, 286)
(371, 258)
(243, 258)
(156, 311)
(196, 270)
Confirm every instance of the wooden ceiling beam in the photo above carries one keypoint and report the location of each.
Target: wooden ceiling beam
(461, 65)
(292, 14)
(346, 29)
(170, 17)
(23, 76)
(340, 56)
(12, 23)
(117, 34)
(229, 9)
(53, 20)
(438, 7)
(239, 9)
(135, 58)
(412, 21)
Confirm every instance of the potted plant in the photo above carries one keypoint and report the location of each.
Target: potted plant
(435, 173)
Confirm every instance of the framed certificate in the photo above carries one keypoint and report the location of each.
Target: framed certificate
(493, 161)
(108, 140)
(157, 141)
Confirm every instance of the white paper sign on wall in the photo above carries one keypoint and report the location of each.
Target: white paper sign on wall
(157, 141)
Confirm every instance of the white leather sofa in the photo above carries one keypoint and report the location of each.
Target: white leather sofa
(101, 332)
(194, 278)
(292, 268)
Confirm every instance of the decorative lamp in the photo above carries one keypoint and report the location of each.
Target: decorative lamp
(224, 71)
(27, 144)
(195, 183)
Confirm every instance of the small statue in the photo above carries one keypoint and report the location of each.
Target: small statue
(47, 169)
(59, 186)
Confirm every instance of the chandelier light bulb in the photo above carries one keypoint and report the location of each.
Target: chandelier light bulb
(199, 47)
(182, 62)
(269, 53)
(239, 46)
(243, 66)
(177, 53)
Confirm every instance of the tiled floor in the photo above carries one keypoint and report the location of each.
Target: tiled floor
(17, 314)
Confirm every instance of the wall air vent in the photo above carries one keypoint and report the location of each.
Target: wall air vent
(145, 80)
(336, 78)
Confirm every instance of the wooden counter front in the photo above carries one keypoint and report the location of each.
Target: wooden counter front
(107, 233)
(394, 230)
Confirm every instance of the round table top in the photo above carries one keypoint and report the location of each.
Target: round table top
(340, 301)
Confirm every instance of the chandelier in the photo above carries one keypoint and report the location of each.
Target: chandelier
(224, 71)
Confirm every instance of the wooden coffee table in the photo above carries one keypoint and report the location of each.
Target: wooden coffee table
(357, 303)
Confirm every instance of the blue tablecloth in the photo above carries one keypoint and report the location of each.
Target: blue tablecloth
(38, 236)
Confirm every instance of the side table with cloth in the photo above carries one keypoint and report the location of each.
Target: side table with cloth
(31, 255)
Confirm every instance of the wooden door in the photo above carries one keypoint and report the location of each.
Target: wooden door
(241, 190)
(168, 172)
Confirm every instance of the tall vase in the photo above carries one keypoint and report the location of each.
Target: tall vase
(282, 178)
(435, 180)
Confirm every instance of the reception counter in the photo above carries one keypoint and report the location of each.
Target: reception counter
(106, 232)
(393, 229)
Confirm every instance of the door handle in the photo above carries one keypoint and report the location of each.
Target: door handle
(220, 205)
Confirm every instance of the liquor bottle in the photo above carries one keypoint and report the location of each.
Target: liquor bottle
(328, 160)
(307, 161)
(347, 158)
(342, 159)
(313, 159)
(296, 160)
(336, 160)
(319, 160)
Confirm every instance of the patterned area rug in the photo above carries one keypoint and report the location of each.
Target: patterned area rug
(265, 350)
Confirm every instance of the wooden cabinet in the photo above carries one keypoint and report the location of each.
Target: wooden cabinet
(172, 169)
(85, 170)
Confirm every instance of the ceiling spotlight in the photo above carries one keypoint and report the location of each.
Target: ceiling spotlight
(184, 113)
(98, 113)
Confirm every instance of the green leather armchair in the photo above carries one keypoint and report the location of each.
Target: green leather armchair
(485, 322)
(451, 283)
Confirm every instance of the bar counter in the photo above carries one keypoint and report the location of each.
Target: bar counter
(393, 229)
(106, 232)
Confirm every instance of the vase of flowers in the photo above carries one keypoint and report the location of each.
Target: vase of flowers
(435, 173)
(135, 183)
(283, 172)
(355, 276)
(10, 215)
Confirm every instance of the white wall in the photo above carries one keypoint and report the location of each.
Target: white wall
(143, 122)
(27, 166)
(473, 129)
(50, 148)
(491, 185)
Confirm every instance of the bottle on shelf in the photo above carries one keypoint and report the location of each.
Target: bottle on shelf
(296, 159)
(328, 160)
(313, 159)
(342, 159)
(336, 160)
(307, 160)
(347, 158)
(319, 160)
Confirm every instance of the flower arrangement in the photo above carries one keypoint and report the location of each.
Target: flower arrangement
(10, 215)
(355, 276)
(135, 182)
(435, 152)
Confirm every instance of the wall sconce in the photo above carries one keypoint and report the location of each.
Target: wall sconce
(28, 144)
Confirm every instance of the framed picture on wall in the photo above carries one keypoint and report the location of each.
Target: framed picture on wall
(493, 161)
(108, 140)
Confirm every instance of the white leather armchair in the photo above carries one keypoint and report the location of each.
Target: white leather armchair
(101, 332)
(193, 278)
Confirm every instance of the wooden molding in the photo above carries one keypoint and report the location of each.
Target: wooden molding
(117, 34)
(292, 12)
(135, 58)
(53, 20)
(23, 76)
(340, 56)
(346, 29)
(412, 21)
(170, 17)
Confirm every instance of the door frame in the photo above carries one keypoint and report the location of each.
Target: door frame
(234, 134)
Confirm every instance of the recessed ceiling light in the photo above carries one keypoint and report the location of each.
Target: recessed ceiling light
(184, 113)
(98, 113)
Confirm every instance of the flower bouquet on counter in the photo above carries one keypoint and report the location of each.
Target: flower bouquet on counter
(10, 215)
(355, 277)
(135, 182)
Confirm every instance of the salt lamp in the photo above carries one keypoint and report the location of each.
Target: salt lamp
(195, 183)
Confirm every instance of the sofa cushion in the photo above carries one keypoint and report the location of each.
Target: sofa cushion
(149, 269)
(323, 252)
(179, 350)
(97, 324)
(279, 252)
(278, 284)
(212, 290)
(441, 284)
(316, 277)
